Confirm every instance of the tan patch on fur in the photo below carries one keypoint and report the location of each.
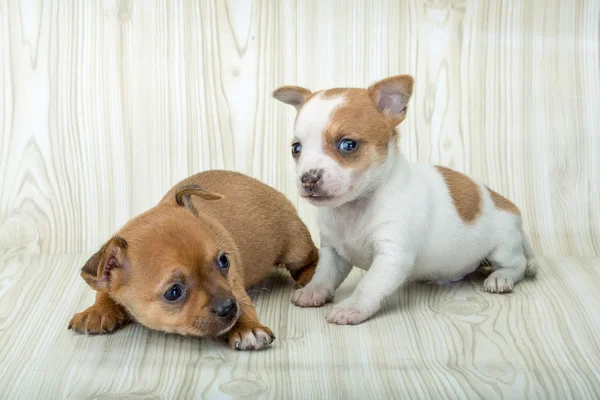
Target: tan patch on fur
(502, 203)
(169, 244)
(465, 193)
(358, 119)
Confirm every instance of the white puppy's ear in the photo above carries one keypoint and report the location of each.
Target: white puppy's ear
(391, 96)
(292, 95)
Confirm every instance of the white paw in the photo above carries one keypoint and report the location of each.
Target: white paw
(498, 284)
(314, 296)
(349, 312)
(250, 338)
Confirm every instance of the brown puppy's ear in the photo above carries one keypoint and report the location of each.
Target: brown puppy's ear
(182, 196)
(391, 96)
(91, 266)
(195, 190)
(106, 269)
(292, 95)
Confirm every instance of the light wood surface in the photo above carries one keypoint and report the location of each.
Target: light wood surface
(104, 105)
(453, 341)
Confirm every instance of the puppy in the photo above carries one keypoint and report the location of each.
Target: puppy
(400, 221)
(184, 265)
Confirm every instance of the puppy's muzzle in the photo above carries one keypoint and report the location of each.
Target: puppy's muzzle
(225, 309)
(310, 179)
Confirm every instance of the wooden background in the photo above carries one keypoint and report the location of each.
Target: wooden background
(104, 105)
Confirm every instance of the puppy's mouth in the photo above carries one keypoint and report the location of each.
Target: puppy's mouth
(317, 197)
(233, 321)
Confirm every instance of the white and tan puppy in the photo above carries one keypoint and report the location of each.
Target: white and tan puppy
(399, 220)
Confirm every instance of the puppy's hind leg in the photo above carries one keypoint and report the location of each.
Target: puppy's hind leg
(508, 263)
(303, 270)
(300, 256)
(531, 269)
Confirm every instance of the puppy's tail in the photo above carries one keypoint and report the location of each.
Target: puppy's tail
(531, 268)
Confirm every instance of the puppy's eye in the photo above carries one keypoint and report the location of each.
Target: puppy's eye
(174, 293)
(296, 148)
(347, 145)
(223, 262)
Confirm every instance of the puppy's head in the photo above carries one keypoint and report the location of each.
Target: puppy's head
(171, 270)
(343, 137)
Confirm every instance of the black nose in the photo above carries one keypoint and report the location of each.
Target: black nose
(225, 309)
(309, 179)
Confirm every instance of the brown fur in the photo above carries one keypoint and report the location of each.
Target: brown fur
(103, 317)
(358, 119)
(465, 194)
(502, 203)
(254, 224)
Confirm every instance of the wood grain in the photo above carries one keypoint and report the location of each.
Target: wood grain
(104, 105)
(452, 341)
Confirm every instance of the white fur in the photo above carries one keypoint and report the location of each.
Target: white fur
(314, 117)
(399, 223)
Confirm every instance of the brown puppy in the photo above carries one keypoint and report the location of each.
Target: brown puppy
(183, 266)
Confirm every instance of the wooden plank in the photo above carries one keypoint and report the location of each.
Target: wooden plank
(452, 341)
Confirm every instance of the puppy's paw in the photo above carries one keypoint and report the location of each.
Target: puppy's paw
(97, 320)
(349, 312)
(314, 296)
(250, 337)
(496, 283)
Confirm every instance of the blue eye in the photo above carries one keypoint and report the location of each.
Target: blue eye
(296, 148)
(223, 261)
(348, 145)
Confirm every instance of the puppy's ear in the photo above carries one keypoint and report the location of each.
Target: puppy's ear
(293, 95)
(194, 190)
(182, 196)
(391, 96)
(106, 269)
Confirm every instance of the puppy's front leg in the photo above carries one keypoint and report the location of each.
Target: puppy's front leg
(330, 273)
(388, 271)
(248, 333)
(102, 317)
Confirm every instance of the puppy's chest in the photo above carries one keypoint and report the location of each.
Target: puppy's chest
(350, 235)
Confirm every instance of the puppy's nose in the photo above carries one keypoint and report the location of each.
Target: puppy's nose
(309, 179)
(225, 309)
